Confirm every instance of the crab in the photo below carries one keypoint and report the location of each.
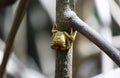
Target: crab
(61, 40)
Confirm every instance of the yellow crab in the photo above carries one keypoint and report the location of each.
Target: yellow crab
(62, 40)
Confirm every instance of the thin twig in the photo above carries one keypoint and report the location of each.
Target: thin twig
(16, 23)
(93, 36)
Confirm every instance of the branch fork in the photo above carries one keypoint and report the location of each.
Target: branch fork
(93, 36)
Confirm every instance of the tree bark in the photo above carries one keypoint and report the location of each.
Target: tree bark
(63, 58)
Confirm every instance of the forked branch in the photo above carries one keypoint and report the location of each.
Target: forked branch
(93, 36)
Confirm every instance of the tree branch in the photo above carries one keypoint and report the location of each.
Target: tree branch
(72, 5)
(61, 7)
(93, 36)
(16, 23)
(63, 58)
